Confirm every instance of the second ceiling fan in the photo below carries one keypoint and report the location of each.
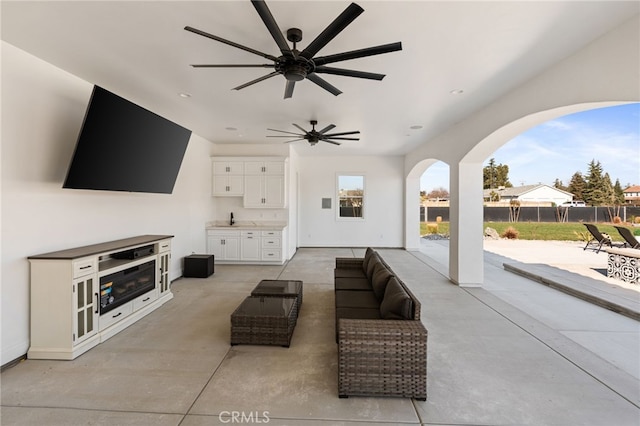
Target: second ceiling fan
(314, 136)
(295, 65)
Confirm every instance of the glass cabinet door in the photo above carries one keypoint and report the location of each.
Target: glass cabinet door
(86, 310)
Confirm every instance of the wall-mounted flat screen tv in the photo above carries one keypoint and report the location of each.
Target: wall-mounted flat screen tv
(124, 147)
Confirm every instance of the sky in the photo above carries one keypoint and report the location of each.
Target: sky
(565, 145)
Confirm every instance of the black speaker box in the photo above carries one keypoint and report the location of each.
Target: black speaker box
(198, 266)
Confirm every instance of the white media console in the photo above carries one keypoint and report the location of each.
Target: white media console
(82, 296)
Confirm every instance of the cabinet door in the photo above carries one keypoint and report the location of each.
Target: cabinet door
(85, 321)
(228, 167)
(214, 246)
(226, 186)
(274, 191)
(274, 167)
(251, 249)
(253, 191)
(231, 248)
(254, 167)
(164, 284)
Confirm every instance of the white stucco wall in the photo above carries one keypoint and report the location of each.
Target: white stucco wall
(42, 111)
(383, 223)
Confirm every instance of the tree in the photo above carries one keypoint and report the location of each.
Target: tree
(438, 193)
(619, 192)
(577, 186)
(599, 189)
(495, 175)
(559, 185)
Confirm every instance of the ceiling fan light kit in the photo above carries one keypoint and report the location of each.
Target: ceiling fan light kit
(297, 65)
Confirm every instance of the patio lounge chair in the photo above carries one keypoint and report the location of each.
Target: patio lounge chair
(629, 238)
(599, 238)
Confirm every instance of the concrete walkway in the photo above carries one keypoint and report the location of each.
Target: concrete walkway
(606, 335)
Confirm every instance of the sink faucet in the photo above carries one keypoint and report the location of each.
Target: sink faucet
(231, 221)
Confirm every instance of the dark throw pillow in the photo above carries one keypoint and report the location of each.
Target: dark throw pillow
(375, 260)
(396, 303)
(367, 257)
(380, 279)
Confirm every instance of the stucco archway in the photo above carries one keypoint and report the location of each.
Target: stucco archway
(604, 73)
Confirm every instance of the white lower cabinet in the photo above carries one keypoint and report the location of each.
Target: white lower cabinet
(247, 246)
(224, 245)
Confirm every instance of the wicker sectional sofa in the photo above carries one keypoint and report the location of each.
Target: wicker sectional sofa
(382, 344)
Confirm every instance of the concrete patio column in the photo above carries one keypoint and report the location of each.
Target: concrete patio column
(412, 214)
(466, 221)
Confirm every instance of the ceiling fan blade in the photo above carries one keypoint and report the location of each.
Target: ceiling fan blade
(281, 136)
(344, 139)
(355, 132)
(288, 89)
(230, 43)
(272, 26)
(323, 83)
(231, 66)
(257, 80)
(295, 140)
(349, 73)
(328, 141)
(282, 131)
(326, 129)
(360, 53)
(340, 23)
(303, 130)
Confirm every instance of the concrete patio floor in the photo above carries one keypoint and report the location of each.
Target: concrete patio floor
(513, 352)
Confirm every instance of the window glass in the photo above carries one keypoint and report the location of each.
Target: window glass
(350, 196)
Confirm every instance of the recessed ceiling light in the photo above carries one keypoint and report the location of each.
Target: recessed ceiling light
(184, 95)
(231, 129)
(416, 127)
(456, 92)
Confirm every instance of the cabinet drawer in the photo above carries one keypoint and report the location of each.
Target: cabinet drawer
(84, 267)
(254, 234)
(270, 242)
(271, 254)
(145, 299)
(272, 234)
(164, 246)
(116, 315)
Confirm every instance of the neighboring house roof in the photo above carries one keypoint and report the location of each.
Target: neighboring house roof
(518, 191)
(634, 188)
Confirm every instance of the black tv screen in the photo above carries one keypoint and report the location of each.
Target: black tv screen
(124, 147)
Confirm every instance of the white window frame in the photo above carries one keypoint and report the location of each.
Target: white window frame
(364, 196)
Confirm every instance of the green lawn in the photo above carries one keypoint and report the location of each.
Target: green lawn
(537, 230)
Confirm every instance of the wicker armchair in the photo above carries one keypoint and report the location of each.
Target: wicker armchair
(382, 358)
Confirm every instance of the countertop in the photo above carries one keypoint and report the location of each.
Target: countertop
(242, 224)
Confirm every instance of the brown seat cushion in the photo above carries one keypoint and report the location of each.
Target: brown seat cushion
(396, 303)
(352, 284)
(356, 299)
(380, 279)
(349, 273)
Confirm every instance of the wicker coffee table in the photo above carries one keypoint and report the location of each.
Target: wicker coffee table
(263, 321)
(281, 288)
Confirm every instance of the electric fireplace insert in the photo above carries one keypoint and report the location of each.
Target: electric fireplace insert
(120, 287)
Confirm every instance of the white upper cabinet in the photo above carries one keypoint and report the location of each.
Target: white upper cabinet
(260, 180)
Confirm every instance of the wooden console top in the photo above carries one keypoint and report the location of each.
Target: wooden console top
(108, 246)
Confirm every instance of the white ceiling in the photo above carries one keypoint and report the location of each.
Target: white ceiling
(140, 51)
